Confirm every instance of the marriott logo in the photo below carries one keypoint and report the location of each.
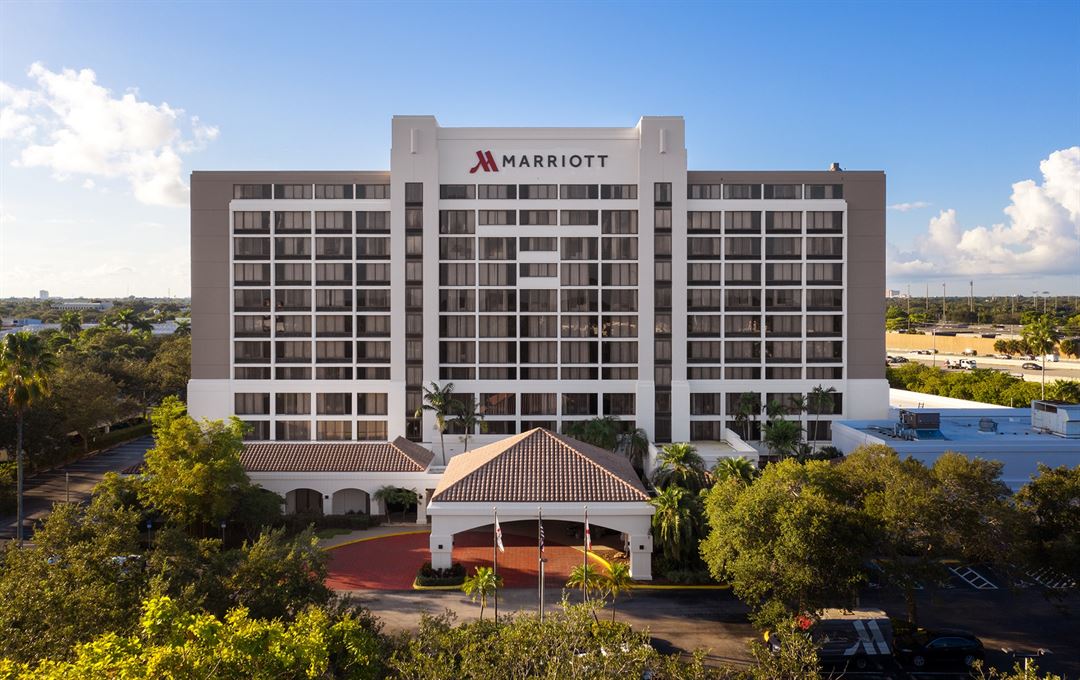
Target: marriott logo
(486, 162)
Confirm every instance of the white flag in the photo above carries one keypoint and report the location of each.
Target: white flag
(588, 536)
(498, 535)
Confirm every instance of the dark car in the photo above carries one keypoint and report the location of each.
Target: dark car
(1031, 366)
(942, 648)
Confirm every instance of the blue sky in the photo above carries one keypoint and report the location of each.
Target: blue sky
(955, 101)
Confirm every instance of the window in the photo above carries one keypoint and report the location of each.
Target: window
(783, 373)
(338, 221)
(579, 217)
(783, 191)
(621, 274)
(251, 191)
(333, 351)
(824, 248)
(783, 326)
(579, 404)
(742, 274)
(742, 248)
(538, 301)
(373, 274)
(414, 193)
(818, 273)
(498, 248)
(371, 404)
(740, 300)
(703, 191)
(742, 352)
(539, 353)
(498, 300)
(824, 325)
(703, 221)
(256, 430)
(293, 403)
(578, 191)
(824, 351)
(538, 326)
(333, 430)
(821, 191)
(248, 221)
(779, 248)
(706, 404)
(619, 222)
(251, 274)
(577, 352)
(292, 222)
(579, 274)
(372, 221)
(372, 299)
(372, 191)
(251, 404)
(495, 217)
(783, 274)
(497, 326)
(742, 191)
(579, 248)
(292, 248)
(701, 325)
(333, 248)
(619, 326)
(579, 300)
(293, 300)
(457, 274)
(457, 222)
(662, 220)
(783, 300)
(832, 221)
(662, 193)
(776, 221)
(457, 191)
(292, 191)
(292, 274)
(742, 222)
(251, 326)
(617, 191)
(457, 326)
(538, 404)
(292, 430)
(783, 352)
(704, 299)
(538, 191)
(498, 352)
(331, 274)
(496, 274)
(540, 217)
(538, 243)
(333, 191)
(620, 352)
(372, 248)
(542, 269)
(618, 300)
(371, 430)
(704, 351)
(700, 273)
(457, 300)
(497, 191)
(457, 352)
(457, 248)
(330, 326)
(579, 327)
(613, 248)
(336, 404)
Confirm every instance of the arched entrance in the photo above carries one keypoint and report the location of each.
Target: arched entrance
(304, 502)
(351, 501)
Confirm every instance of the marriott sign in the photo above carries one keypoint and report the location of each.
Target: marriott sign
(485, 161)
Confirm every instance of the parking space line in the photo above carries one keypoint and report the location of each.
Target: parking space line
(973, 578)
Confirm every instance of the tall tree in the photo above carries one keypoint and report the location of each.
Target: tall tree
(70, 323)
(469, 419)
(749, 404)
(616, 582)
(738, 468)
(782, 437)
(26, 367)
(1040, 335)
(673, 521)
(1051, 500)
(481, 585)
(441, 402)
(603, 431)
(681, 465)
(820, 400)
(634, 444)
(183, 327)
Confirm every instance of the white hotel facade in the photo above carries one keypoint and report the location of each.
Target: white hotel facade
(553, 274)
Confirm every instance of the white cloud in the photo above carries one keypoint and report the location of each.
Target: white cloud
(1041, 235)
(71, 125)
(88, 183)
(908, 207)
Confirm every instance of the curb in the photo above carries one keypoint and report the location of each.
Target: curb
(374, 538)
(417, 586)
(645, 586)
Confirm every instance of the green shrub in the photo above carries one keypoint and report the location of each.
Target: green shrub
(429, 576)
(689, 577)
(7, 488)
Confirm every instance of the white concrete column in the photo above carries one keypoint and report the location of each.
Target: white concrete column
(641, 557)
(328, 504)
(421, 506)
(442, 548)
(680, 409)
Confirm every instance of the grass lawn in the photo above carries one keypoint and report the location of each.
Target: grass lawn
(330, 533)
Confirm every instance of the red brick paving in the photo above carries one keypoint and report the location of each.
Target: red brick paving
(391, 563)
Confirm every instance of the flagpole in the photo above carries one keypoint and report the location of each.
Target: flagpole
(495, 561)
(540, 528)
(585, 558)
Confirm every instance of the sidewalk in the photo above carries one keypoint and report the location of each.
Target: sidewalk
(373, 532)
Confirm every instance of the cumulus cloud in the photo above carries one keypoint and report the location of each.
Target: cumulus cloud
(1041, 235)
(74, 126)
(908, 207)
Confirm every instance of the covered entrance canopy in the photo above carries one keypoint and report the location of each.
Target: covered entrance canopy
(540, 471)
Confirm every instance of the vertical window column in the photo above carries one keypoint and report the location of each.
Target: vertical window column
(414, 307)
(662, 309)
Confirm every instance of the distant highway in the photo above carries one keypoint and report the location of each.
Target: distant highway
(1061, 370)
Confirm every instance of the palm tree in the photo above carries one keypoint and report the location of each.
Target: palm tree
(1041, 336)
(183, 327)
(749, 405)
(797, 405)
(480, 585)
(680, 465)
(441, 402)
(616, 582)
(25, 368)
(739, 468)
(820, 399)
(127, 319)
(672, 523)
(634, 444)
(782, 436)
(774, 409)
(586, 577)
(388, 495)
(70, 323)
(469, 419)
(602, 431)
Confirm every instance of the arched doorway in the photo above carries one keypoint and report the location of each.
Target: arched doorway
(351, 501)
(304, 502)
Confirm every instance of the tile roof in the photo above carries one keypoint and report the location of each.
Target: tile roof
(539, 466)
(400, 455)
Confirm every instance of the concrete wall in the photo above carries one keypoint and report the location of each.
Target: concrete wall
(946, 344)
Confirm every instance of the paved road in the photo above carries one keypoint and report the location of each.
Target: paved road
(46, 488)
(1062, 370)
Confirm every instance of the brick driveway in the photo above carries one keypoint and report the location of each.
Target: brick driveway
(391, 562)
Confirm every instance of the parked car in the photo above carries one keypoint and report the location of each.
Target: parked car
(970, 352)
(939, 649)
(968, 364)
(1031, 366)
(848, 640)
(1029, 357)
(899, 360)
(1003, 356)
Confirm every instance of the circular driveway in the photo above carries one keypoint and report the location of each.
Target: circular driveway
(391, 562)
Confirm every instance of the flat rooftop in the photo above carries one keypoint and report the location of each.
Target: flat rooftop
(962, 426)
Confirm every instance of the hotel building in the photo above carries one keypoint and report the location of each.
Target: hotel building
(550, 274)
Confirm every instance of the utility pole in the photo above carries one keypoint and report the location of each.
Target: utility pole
(944, 313)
